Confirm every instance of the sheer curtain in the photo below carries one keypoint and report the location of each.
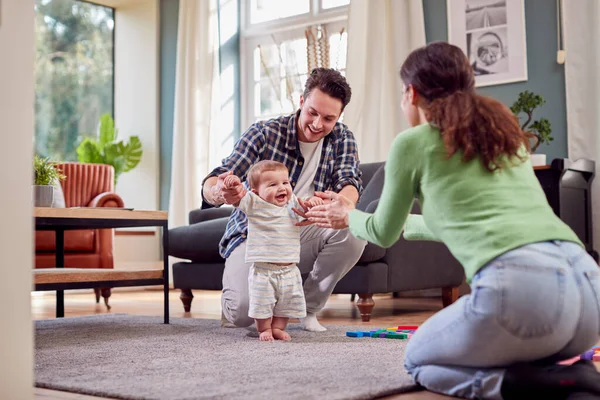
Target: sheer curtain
(196, 106)
(381, 33)
(582, 66)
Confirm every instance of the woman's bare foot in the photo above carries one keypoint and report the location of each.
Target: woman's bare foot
(281, 335)
(266, 336)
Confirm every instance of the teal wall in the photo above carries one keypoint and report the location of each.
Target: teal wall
(545, 76)
(229, 57)
(169, 12)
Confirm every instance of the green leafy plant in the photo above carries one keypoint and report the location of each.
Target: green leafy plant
(123, 156)
(540, 129)
(45, 172)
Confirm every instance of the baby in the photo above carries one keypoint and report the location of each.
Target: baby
(273, 248)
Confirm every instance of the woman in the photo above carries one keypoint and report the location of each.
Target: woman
(535, 291)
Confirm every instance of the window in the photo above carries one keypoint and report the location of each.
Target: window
(281, 45)
(74, 74)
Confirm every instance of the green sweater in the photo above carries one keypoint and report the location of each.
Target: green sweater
(478, 214)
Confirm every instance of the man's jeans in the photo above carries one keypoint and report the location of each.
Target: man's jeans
(540, 302)
(326, 255)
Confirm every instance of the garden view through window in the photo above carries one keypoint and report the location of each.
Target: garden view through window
(74, 74)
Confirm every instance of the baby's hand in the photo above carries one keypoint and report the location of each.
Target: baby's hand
(231, 182)
(314, 201)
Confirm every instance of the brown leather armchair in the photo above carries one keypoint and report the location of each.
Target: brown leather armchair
(86, 185)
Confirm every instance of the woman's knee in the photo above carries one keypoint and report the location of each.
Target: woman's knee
(409, 364)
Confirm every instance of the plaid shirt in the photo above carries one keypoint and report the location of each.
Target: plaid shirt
(277, 139)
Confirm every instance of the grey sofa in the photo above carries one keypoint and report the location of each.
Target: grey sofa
(402, 267)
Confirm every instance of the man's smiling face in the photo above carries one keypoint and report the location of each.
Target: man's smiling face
(318, 114)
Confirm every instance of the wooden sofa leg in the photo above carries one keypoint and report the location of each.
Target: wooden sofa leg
(449, 295)
(106, 292)
(186, 297)
(365, 304)
(97, 293)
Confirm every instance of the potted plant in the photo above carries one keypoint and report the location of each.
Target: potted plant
(45, 176)
(123, 156)
(540, 130)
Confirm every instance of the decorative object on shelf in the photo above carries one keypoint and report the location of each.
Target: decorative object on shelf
(45, 176)
(123, 156)
(540, 130)
(492, 35)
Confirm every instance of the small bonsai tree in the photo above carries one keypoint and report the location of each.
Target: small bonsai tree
(45, 172)
(539, 129)
(123, 156)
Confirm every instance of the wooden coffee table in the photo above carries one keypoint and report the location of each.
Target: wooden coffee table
(61, 278)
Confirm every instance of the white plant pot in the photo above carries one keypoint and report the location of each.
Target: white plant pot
(43, 195)
(538, 159)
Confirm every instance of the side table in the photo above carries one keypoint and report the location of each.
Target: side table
(61, 278)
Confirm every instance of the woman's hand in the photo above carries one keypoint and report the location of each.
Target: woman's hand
(333, 214)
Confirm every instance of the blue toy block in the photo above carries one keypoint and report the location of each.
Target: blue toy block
(354, 334)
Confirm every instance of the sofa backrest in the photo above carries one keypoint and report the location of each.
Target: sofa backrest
(373, 176)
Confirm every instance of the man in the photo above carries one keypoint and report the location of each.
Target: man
(320, 154)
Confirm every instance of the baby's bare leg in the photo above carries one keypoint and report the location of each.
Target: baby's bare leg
(264, 328)
(278, 326)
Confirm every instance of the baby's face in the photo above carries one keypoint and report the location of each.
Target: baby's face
(275, 187)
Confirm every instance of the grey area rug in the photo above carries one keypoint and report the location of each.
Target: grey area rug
(137, 357)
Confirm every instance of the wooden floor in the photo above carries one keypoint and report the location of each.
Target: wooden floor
(339, 310)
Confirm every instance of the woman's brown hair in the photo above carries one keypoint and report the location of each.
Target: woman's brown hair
(480, 126)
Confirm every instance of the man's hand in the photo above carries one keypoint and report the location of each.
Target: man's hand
(228, 189)
(333, 213)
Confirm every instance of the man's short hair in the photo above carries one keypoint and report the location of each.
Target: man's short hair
(257, 169)
(330, 82)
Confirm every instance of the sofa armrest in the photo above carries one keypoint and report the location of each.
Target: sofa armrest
(372, 206)
(207, 214)
(107, 199)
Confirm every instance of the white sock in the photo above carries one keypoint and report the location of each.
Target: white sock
(310, 323)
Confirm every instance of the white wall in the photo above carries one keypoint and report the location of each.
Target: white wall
(16, 114)
(136, 98)
(137, 113)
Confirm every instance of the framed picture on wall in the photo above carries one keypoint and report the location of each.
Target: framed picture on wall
(492, 35)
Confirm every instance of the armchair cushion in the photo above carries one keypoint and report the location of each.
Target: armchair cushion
(59, 197)
(75, 241)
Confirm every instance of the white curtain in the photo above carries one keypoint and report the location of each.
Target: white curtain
(381, 33)
(197, 106)
(582, 69)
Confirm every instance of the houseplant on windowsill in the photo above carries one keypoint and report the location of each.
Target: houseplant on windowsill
(123, 156)
(540, 130)
(45, 176)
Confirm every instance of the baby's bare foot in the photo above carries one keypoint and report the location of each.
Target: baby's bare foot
(266, 336)
(281, 335)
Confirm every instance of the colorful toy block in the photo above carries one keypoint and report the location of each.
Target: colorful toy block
(400, 332)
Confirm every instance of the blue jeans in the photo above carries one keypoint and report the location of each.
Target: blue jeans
(538, 303)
